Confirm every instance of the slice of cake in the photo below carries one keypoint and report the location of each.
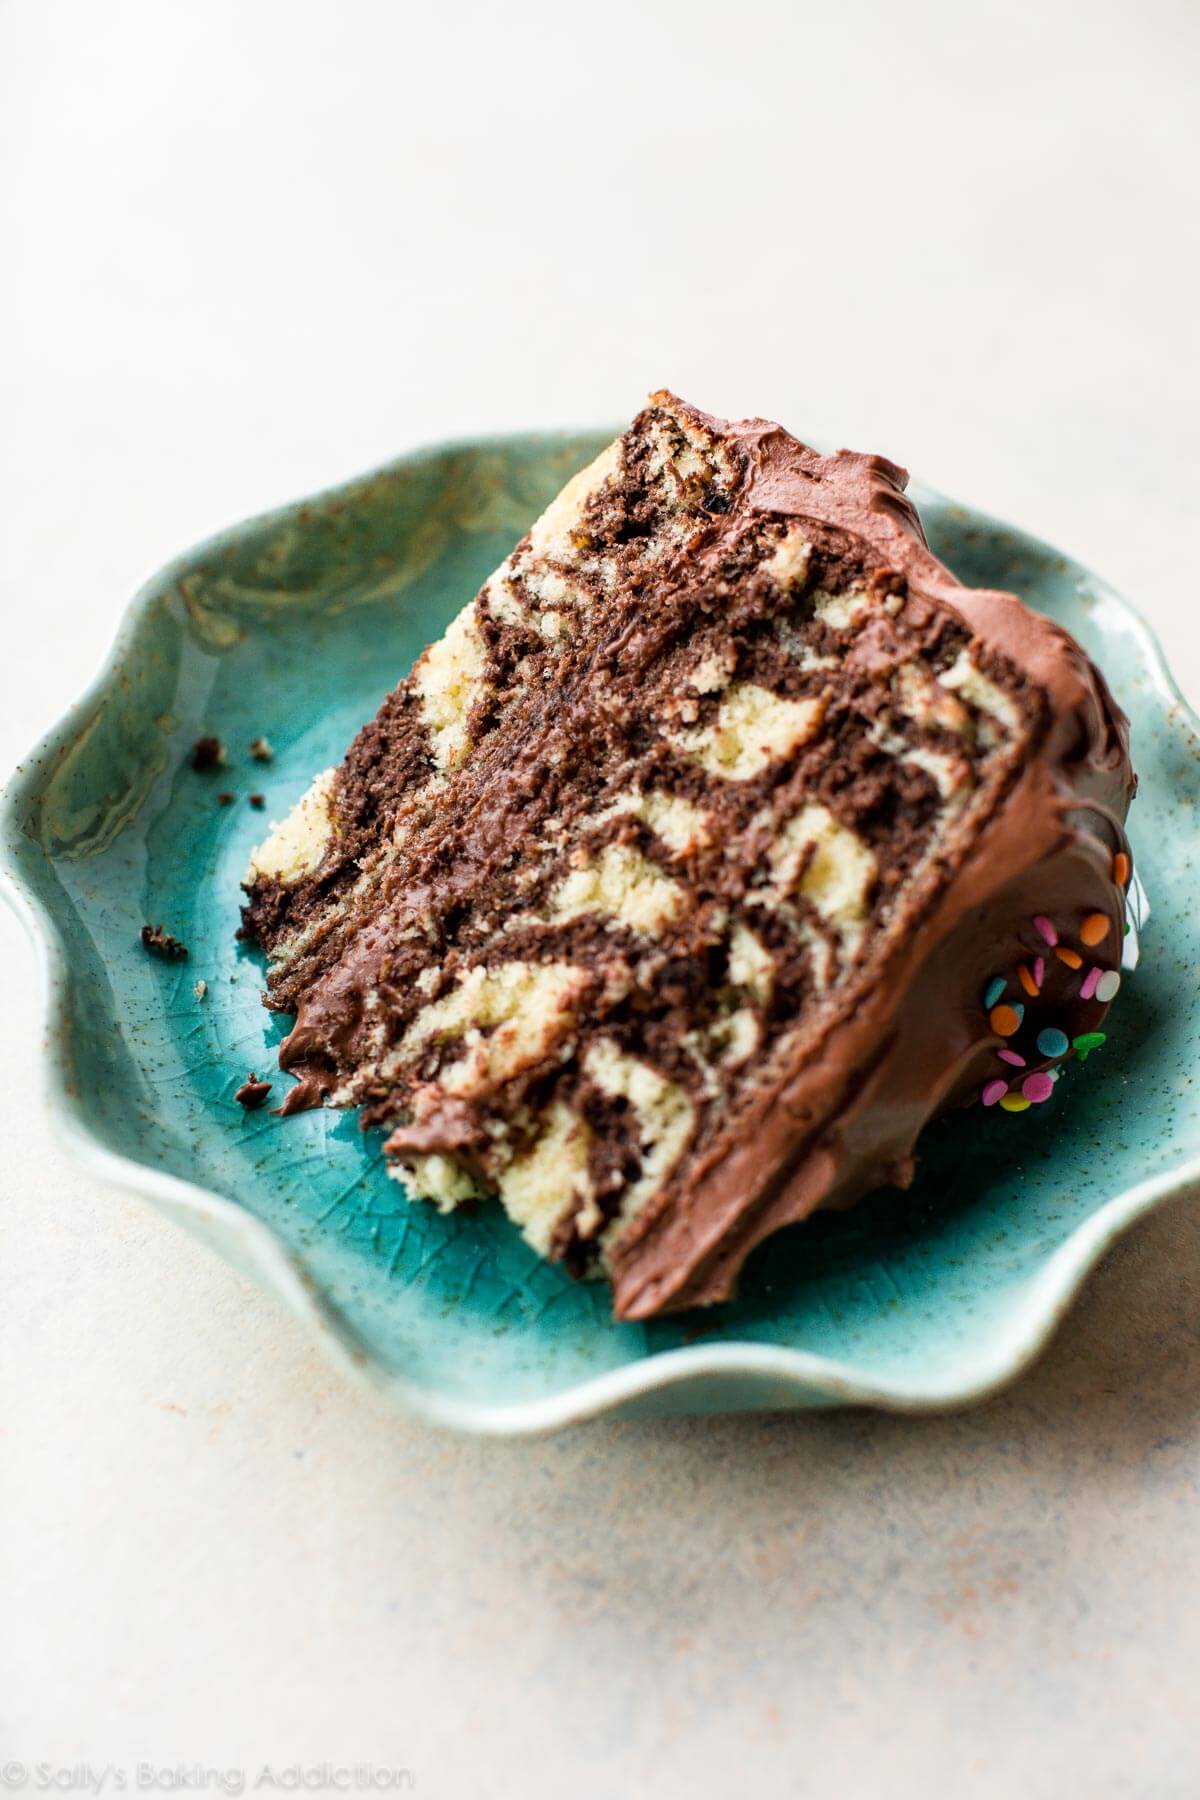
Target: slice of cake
(722, 841)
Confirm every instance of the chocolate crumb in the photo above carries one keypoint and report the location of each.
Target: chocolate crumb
(225, 798)
(207, 753)
(698, 1329)
(252, 1093)
(260, 750)
(160, 943)
(257, 801)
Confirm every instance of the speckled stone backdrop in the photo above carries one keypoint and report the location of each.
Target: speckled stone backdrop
(252, 248)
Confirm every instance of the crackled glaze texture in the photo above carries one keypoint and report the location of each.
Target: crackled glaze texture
(294, 626)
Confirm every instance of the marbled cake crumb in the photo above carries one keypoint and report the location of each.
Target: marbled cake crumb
(651, 901)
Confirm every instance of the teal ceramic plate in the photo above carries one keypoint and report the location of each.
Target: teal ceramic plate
(295, 625)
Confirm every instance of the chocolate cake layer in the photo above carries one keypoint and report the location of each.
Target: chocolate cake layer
(667, 896)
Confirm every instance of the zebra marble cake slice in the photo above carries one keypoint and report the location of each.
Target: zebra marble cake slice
(722, 840)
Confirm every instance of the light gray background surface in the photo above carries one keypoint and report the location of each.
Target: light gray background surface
(251, 248)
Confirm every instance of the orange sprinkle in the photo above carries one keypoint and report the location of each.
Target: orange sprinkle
(1095, 928)
(1025, 977)
(1121, 869)
(1004, 1020)
(1072, 958)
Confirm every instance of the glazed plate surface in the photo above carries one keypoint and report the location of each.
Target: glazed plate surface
(294, 626)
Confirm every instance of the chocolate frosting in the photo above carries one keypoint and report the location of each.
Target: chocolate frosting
(845, 1118)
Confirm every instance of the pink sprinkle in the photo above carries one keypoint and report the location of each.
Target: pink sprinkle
(995, 1090)
(1089, 983)
(1037, 1088)
(1039, 970)
(1010, 1056)
(1046, 927)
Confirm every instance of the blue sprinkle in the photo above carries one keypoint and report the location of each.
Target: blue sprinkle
(1052, 1041)
(993, 992)
(1019, 1010)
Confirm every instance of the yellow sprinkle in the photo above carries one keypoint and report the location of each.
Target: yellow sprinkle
(1015, 1103)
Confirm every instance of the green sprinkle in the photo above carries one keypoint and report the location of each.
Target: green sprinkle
(1091, 1040)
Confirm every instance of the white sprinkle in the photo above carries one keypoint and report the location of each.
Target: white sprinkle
(1108, 985)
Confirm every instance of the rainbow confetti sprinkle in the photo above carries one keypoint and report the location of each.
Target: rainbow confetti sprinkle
(1005, 1020)
(1006, 1017)
(1095, 928)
